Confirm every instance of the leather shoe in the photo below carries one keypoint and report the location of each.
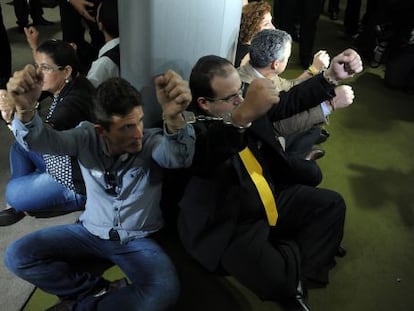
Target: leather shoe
(323, 136)
(67, 304)
(42, 21)
(333, 15)
(341, 252)
(62, 305)
(315, 154)
(10, 216)
(298, 303)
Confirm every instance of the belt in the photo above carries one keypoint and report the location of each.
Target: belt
(113, 235)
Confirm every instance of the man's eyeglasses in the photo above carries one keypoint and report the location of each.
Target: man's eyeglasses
(110, 180)
(47, 69)
(229, 99)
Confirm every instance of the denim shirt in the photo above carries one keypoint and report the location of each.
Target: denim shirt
(132, 208)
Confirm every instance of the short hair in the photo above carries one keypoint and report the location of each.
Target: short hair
(108, 16)
(268, 45)
(252, 16)
(114, 97)
(206, 68)
(62, 54)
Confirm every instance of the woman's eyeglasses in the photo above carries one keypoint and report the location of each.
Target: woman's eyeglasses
(45, 68)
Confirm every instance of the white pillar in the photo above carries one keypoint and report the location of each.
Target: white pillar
(157, 35)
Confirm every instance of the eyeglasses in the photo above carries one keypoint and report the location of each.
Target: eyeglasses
(110, 180)
(229, 99)
(47, 69)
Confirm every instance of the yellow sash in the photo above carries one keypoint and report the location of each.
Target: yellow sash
(265, 193)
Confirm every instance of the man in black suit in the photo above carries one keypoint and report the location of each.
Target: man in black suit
(245, 209)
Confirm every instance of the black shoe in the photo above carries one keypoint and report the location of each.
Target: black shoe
(112, 286)
(323, 136)
(42, 21)
(341, 252)
(315, 154)
(10, 216)
(348, 36)
(297, 303)
(62, 305)
(333, 15)
(20, 28)
(68, 304)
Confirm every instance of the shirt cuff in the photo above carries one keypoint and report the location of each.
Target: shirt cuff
(325, 109)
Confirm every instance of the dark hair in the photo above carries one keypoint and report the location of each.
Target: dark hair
(206, 68)
(108, 16)
(114, 97)
(62, 54)
(268, 45)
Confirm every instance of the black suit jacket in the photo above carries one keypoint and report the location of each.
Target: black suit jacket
(220, 195)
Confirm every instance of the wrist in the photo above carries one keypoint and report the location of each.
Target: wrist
(312, 70)
(228, 119)
(174, 123)
(32, 109)
(329, 78)
(25, 115)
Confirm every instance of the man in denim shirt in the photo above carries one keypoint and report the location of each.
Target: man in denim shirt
(122, 167)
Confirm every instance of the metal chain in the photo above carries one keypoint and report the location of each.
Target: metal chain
(191, 118)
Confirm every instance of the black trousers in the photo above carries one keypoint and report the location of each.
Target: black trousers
(399, 73)
(265, 259)
(22, 9)
(305, 13)
(5, 54)
(74, 31)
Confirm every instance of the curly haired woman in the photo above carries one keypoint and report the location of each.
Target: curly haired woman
(256, 16)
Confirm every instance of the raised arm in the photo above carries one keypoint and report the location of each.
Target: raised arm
(344, 66)
(32, 37)
(24, 90)
(174, 96)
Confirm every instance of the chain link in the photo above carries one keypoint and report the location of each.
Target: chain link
(191, 118)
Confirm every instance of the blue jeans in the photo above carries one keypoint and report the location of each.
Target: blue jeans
(55, 260)
(30, 188)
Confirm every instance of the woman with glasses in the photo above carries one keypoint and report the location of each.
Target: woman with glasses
(45, 185)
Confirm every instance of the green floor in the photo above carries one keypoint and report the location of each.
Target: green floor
(370, 162)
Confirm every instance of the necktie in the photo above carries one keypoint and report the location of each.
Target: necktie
(255, 171)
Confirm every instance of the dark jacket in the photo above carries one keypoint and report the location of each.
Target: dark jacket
(74, 104)
(220, 195)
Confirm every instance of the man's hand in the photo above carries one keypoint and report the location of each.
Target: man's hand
(260, 97)
(24, 90)
(6, 107)
(174, 96)
(320, 60)
(344, 66)
(344, 97)
(32, 37)
(82, 7)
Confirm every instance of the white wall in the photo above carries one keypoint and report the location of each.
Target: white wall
(172, 34)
